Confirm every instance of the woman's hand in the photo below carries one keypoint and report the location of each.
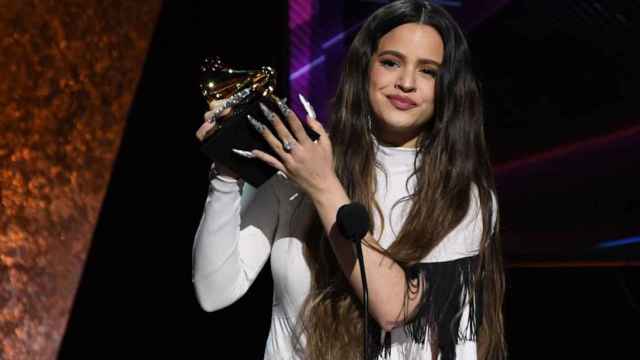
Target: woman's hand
(308, 163)
(209, 126)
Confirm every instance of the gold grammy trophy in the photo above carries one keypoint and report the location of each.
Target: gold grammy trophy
(242, 91)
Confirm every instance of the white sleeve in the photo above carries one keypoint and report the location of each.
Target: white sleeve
(464, 240)
(233, 240)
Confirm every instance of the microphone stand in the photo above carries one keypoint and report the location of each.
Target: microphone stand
(353, 222)
(358, 247)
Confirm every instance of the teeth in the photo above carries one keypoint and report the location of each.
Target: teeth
(307, 106)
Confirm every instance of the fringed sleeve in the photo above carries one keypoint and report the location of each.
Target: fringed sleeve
(448, 290)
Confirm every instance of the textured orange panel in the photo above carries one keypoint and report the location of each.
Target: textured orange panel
(68, 73)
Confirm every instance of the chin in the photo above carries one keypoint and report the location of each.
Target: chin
(401, 122)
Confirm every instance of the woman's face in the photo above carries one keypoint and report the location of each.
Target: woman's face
(402, 80)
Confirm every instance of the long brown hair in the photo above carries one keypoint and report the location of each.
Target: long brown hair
(454, 158)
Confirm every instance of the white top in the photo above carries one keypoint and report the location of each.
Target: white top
(242, 226)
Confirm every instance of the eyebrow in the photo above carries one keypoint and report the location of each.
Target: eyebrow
(401, 56)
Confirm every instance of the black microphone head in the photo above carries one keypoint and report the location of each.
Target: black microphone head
(353, 221)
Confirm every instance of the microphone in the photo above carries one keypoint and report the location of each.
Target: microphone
(352, 221)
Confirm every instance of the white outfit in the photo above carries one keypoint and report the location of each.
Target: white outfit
(241, 227)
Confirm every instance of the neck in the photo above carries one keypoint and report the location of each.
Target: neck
(409, 142)
(388, 138)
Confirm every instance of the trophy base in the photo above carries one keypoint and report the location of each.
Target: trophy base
(236, 132)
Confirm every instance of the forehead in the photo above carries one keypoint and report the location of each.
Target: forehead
(414, 40)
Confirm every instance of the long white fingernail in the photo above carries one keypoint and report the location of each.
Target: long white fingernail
(256, 124)
(307, 106)
(281, 174)
(247, 154)
(267, 113)
(282, 104)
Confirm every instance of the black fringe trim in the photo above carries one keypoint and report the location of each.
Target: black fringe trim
(441, 304)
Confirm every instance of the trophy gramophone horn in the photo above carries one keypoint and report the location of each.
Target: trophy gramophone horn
(221, 82)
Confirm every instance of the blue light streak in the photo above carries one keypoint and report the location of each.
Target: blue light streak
(305, 69)
(621, 242)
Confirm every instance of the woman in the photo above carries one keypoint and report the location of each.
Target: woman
(406, 140)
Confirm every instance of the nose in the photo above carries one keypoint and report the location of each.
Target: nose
(406, 81)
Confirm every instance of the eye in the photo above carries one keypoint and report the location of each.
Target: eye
(431, 72)
(388, 63)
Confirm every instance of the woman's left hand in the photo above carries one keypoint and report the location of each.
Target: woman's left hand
(308, 163)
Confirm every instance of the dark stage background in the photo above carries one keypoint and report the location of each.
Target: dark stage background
(553, 96)
(136, 297)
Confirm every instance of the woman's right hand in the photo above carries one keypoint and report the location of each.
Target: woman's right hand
(208, 127)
